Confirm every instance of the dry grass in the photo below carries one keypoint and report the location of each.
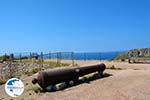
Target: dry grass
(113, 67)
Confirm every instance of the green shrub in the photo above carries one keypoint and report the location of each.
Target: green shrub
(122, 59)
(4, 57)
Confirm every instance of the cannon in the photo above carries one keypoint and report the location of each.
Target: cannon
(52, 77)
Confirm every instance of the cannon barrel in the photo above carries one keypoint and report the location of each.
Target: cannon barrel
(56, 76)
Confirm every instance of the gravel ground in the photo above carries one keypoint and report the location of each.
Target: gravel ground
(131, 83)
(123, 85)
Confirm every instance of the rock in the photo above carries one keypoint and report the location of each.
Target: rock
(60, 86)
(71, 83)
(134, 53)
(49, 88)
(144, 52)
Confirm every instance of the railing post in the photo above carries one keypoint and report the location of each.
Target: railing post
(72, 57)
(49, 55)
(84, 56)
(41, 59)
(58, 57)
(20, 57)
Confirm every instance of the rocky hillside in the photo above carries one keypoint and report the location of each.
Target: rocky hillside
(142, 52)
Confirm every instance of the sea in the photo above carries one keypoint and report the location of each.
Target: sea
(96, 55)
(87, 55)
(76, 55)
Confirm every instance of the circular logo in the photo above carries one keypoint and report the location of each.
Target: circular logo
(14, 87)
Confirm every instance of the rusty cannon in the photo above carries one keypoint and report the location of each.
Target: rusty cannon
(53, 77)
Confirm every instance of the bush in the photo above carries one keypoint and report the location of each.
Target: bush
(4, 57)
(122, 59)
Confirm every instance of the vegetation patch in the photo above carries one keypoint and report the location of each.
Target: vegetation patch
(35, 70)
(4, 57)
(2, 98)
(113, 67)
(19, 68)
(87, 77)
(3, 81)
(34, 88)
(122, 57)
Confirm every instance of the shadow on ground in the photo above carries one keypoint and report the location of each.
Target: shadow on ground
(140, 63)
(81, 81)
(93, 78)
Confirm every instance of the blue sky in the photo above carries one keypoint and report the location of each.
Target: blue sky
(74, 25)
